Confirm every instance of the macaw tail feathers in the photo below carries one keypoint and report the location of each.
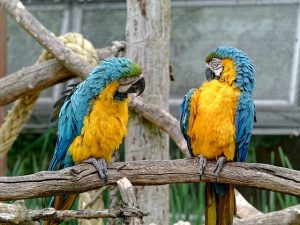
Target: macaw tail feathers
(219, 204)
(61, 202)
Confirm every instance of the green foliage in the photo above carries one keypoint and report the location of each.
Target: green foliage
(186, 203)
(186, 200)
(268, 201)
(32, 158)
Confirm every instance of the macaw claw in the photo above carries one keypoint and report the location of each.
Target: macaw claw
(202, 164)
(219, 166)
(100, 166)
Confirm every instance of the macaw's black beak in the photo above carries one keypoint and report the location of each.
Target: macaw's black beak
(138, 87)
(210, 75)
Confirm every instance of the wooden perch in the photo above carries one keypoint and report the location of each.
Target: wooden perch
(83, 177)
(47, 39)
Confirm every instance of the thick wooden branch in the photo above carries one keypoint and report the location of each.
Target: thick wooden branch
(83, 177)
(288, 216)
(37, 77)
(47, 39)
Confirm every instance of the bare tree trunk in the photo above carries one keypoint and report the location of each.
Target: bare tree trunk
(148, 38)
(3, 65)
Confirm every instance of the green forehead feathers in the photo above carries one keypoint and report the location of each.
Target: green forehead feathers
(210, 56)
(135, 69)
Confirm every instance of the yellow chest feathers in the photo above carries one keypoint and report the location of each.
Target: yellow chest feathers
(103, 129)
(212, 120)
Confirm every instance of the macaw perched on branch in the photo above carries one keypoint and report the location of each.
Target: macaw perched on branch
(93, 117)
(217, 120)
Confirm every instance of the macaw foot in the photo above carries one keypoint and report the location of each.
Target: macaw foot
(220, 163)
(100, 166)
(202, 164)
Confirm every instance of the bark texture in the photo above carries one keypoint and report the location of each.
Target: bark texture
(148, 39)
(84, 177)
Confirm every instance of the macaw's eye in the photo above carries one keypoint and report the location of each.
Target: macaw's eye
(215, 63)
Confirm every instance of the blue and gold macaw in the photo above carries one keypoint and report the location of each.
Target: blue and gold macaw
(217, 120)
(92, 119)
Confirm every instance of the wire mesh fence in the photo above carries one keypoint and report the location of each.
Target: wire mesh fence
(268, 32)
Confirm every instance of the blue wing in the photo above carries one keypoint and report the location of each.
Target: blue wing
(244, 118)
(184, 118)
(72, 110)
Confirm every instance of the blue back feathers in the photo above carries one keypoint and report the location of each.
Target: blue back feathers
(76, 106)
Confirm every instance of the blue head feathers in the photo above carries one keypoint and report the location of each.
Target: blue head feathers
(245, 73)
(116, 68)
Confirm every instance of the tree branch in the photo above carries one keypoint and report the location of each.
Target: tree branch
(290, 216)
(83, 177)
(37, 77)
(17, 213)
(47, 39)
(243, 208)
(161, 119)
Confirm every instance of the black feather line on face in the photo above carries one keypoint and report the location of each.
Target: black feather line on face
(119, 96)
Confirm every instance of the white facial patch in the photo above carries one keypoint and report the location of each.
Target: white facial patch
(216, 66)
(124, 88)
(218, 71)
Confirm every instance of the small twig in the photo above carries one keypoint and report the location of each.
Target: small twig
(17, 213)
(129, 203)
(121, 167)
